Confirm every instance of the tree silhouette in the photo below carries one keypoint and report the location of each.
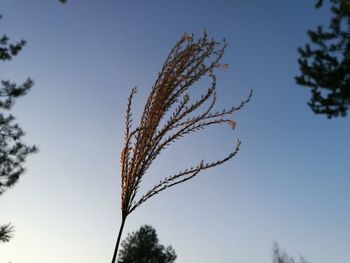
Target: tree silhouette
(168, 115)
(5, 233)
(280, 256)
(13, 151)
(325, 63)
(143, 246)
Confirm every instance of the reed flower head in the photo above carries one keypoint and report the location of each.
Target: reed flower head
(169, 114)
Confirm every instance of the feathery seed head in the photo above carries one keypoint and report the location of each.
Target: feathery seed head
(169, 103)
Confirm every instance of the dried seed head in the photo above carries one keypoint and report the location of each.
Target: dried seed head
(169, 103)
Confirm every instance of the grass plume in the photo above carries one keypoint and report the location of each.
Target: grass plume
(168, 115)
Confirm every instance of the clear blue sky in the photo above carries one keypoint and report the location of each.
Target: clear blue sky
(289, 183)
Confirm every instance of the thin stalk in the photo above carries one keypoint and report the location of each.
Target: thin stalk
(118, 240)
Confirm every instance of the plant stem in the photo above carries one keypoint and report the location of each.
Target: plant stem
(118, 240)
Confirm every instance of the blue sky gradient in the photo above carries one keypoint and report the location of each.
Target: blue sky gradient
(288, 184)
